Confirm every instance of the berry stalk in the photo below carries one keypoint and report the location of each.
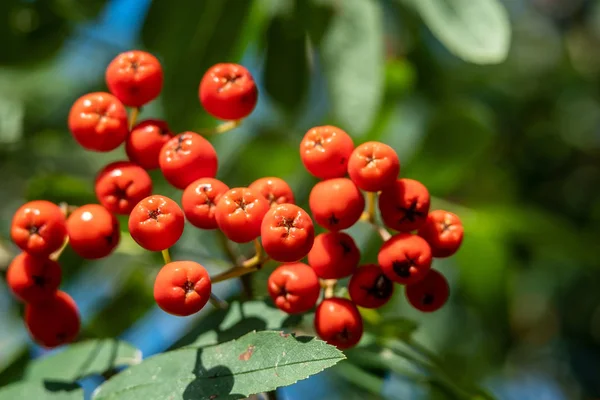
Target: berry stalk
(166, 256)
(135, 112)
(221, 128)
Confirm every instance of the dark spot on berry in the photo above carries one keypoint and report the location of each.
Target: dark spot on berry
(333, 220)
(121, 191)
(344, 334)
(242, 205)
(370, 158)
(39, 280)
(34, 230)
(318, 142)
(428, 299)
(382, 288)
(346, 248)
(445, 226)
(180, 141)
(402, 268)
(188, 286)
(61, 337)
(411, 213)
(288, 224)
(153, 214)
(342, 160)
(109, 239)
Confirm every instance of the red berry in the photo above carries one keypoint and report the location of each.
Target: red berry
(287, 233)
(135, 77)
(336, 204)
(294, 288)
(187, 157)
(53, 322)
(156, 223)
(430, 293)
(98, 122)
(199, 202)
(369, 287)
(121, 185)
(145, 141)
(405, 258)
(33, 279)
(182, 288)
(227, 91)
(338, 322)
(334, 255)
(444, 233)
(276, 190)
(404, 205)
(38, 227)
(325, 151)
(93, 231)
(239, 214)
(373, 166)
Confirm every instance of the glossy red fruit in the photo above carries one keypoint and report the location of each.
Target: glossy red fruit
(239, 214)
(228, 92)
(405, 258)
(121, 185)
(199, 202)
(336, 204)
(338, 322)
(33, 279)
(135, 77)
(53, 322)
(39, 227)
(430, 293)
(373, 166)
(182, 288)
(369, 287)
(294, 288)
(187, 157)
(334, 255)
(404, 205)
(98, 122)
(156, 223)
(275, 190)
(287, 233)
(145, 141)
(93, 231)
(325, 151)
(444, 233)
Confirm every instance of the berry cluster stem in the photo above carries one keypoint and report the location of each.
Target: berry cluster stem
(66, 209)
(251, 262)
(166, 256)
(135, 112)
(217, 302)
(328, 286)
(222, 128)
(250, 265)
(369, 217)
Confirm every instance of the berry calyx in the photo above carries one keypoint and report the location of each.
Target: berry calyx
(430, 293)
(405, 258)
(156, 223)
(275, 190)
(325, 151)
(135, 77)
(33, 279)
(338, 322)
(121, 185)
(39, 228)
(294, 288)
(53, 322)
(145, 141)
(404, 205)
(182, 288)
(98, 122)
(336, 204)
(373, 166)
(93, 231)
(239, 214)
(334, 255)
(444, 233)
(199, 202)
(227, 91)
(287, 233)
(369, 287)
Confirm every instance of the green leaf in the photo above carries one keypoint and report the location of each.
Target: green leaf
(91, 357)
(394, 327)
(41, 390)
(256, 362)
(61, 187)
(352, 53)
(476, 31)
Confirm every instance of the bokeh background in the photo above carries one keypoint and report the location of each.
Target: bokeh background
(513, 148)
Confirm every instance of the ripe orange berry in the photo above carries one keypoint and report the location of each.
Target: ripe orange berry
(199, 202)
(325, 151)
(121, 185)
(287, 233)
(334, 255)
(294, 288)
(53, 322)
(182, 288)
(156, 223)
(33, 279)
(404, 205)
(98, 122)
(145, 141)
(275, 190)
(430, 293)
(405, 258)
(373, 166)
(239, 214)
(228, 92)
(187, 157)
(338, 322)
(135, 77)
(444, 233)
(369, 287)
(336, 204)
(93, 231)
(38, 227)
